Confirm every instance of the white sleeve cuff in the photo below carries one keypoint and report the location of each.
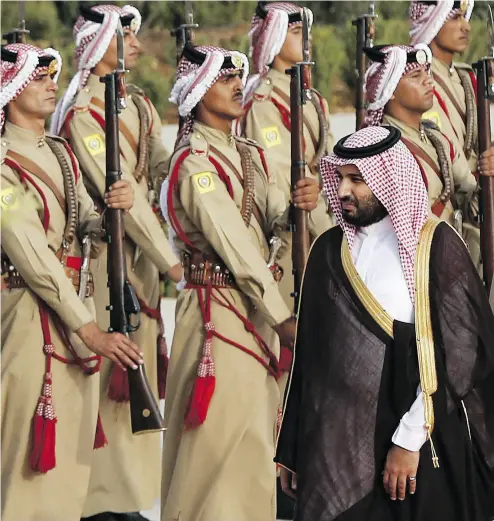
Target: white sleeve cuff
(411, 433)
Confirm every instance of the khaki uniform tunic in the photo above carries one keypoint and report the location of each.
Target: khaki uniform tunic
(223, 470)
(59, 494)
(452, 124)
(464, 185)
(264, 124)
(126, 473)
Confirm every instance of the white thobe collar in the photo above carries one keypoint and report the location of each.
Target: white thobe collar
(377, 260)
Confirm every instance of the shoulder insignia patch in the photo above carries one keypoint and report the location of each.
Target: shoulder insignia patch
(15, 202)
(94, 144)
(271, 136)
(10, 198)
(204, 182)
(434, 117)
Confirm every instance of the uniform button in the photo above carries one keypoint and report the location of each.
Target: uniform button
(87, 89)
(198, 136)
(268, 82)
(4, 143)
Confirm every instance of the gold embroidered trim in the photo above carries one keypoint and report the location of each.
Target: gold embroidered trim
(423, 328)
(377, 312)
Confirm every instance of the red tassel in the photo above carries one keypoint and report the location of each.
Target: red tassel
(118, 390)
(162, 366)
(202, 393)
(99, 437)
(42, 457)
(286, 357)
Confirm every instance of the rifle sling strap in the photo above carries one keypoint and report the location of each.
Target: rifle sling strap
(124, 129)
(32, 167)
(286, 99)
(451, 96)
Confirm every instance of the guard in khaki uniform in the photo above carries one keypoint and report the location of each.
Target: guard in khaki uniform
(398, 96)
(126, 475)
(444, 25)
(276, 45)
(50, 378)
(222, 204)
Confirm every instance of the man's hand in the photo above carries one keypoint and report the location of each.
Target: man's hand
(306, 194)
(120, 196)
(288, 482)
(176, 273)
(114, 346)
(400, 468)
(286, 332)
(486, 162)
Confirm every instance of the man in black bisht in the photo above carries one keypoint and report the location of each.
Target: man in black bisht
(389, 413)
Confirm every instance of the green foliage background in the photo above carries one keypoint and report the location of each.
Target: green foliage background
(227, 24)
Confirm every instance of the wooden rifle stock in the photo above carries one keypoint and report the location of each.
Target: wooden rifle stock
(485, 92)
(144, 410)
(365, 37)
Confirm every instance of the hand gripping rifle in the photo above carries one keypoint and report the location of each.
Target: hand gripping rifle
(144, 410)
(183, 33)
(365, 38)
(300, 93)
(485, 93)
(18, 35)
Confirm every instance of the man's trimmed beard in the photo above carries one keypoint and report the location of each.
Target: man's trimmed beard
(368, 210)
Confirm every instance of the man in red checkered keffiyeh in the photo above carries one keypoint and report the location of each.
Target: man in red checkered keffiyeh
(400, 92)
(394, 179)
(22, 64)
(198, 70)
(393, 370)
(445, 26)
(51, 344)
(93, 33)
(223, 206)
(271, 24)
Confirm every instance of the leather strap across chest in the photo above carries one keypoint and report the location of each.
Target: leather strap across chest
(124, 129)
(32, 167)
(451, 96)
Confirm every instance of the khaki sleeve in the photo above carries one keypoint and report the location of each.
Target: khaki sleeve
(328, 119)
(211, 209)
(141, 223)
(465, 182)
(264, 125)
(90, 222)
(24, 241)
(278, 210)
(159, 157)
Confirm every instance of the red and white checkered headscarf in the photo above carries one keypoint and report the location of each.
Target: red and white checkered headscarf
(382, 79)
(194, 80)
(15, 77)
(427, 19)
(395, 179)
(267, 37)
(92, 40)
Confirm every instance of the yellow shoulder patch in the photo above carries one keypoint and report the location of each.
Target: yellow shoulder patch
(434, 117)
(95, 144)
(15, 203)
(204, 182)
(10, 198)
(271, 136)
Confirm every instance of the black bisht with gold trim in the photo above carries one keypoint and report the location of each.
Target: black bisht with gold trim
(355, 375)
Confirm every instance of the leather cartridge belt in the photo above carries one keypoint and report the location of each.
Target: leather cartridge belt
(12, 279)
(201, 270)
